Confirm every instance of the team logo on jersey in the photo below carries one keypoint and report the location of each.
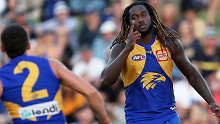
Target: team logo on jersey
(138, 57)
(43, 109)
(162, 56)
(150, 79)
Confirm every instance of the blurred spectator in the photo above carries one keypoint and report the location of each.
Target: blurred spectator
(21, 18)
(50, 45)
(114, 98)
(33, 50)
(63, 22)
(47, 10)
(117, 108)
(90, 26)
(40, 47)
(2, 6)
(18, 11)
(85, 116)
(78, 6)
(33, 9)
(196, 4)
(189, 11)
(208, 57)
(198, 114)
(5, 118)
(169, 14)
(185, 100)
(87, 66)
(176, 74)
(62, 18)
(114, 13)
(190, 43)
(213, 8)
(103, 41)
(125, 3)
(117, 11)
(75, 107)
(9, 14)
(154, 3)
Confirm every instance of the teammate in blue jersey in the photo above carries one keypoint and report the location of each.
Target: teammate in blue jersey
(30, 86)
(143, 53)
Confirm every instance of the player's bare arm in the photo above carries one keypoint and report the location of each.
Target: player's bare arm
(69, 79)
(112, 71)
(118, 57)
(193, 76)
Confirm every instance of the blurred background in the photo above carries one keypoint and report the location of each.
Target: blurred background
(79, 34)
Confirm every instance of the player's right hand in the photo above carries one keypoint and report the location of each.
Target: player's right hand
(133, 37)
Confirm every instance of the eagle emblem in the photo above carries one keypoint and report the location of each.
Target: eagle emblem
(150, 79)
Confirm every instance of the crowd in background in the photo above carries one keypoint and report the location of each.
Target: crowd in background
(79, 33)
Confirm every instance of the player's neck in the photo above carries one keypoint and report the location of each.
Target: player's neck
(7, 58)
(146, 39)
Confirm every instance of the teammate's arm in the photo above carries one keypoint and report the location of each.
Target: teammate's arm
(69, 79)
(194, 77)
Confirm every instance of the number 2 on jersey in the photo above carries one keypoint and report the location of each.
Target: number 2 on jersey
(26, 91)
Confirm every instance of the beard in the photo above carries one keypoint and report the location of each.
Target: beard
(150, 28)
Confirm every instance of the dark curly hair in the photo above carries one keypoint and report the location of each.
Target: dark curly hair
(14, 40)
(160, 29)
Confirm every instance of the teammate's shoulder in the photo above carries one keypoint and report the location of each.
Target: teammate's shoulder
(36, 57)
(4, 68)
(54, 62)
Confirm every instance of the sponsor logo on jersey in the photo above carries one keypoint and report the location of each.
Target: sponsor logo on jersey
(43, 109)
(162, 56)
(150, 79)
(172, 108)
(138, 57)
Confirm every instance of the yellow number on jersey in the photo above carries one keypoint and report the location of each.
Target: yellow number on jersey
(26, 91)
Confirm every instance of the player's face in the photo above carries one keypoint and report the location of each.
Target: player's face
(141, 17)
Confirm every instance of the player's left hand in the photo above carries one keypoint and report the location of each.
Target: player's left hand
(215, 110)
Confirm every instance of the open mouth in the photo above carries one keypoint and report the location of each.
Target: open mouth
(143, 25)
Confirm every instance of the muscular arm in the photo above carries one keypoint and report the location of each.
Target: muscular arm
(194, 77)
(118, 57)
(117, 60)
(69, 79)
